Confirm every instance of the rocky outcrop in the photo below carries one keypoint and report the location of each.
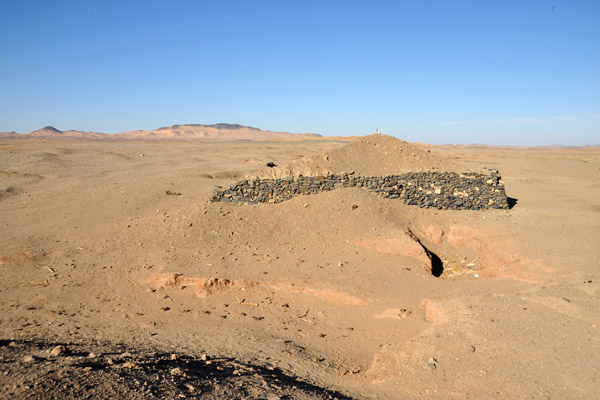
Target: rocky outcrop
(441, 190)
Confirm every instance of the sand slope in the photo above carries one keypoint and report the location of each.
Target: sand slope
(373, 155)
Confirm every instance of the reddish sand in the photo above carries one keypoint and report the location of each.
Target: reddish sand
(331, 288)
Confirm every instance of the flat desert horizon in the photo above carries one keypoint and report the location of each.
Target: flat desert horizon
(121, 278)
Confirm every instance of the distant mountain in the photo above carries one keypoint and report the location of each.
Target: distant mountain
(219, 131)
(210, 132)
(50, 132)
(9, 135)
(560, 146)
(46, 131)
(508, 146)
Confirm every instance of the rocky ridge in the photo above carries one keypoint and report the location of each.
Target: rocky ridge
(431, 189)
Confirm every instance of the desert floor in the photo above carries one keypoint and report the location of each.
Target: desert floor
(321, 296)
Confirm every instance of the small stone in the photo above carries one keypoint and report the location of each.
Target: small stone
(432, 363)
(92, 355)
(28, 359)
(176, 371)
(59, 350)
(189, 387)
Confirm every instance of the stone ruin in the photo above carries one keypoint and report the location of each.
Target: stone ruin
(440, 190)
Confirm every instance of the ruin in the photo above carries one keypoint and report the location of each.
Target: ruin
(432, 189)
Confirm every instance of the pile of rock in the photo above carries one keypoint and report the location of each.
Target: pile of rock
(441, 190)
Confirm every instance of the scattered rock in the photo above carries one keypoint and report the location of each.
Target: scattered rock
(190, 387)
(59, 350)
(130, 365)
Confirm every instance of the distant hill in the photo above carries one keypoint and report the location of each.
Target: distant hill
(9, 135)
(50, 132)
(210, 132)
(46, 131)
(560, 146)
(219, 131)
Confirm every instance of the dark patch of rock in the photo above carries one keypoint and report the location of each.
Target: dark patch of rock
(441, 190)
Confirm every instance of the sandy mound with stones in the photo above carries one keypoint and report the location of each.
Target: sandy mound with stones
(373, 155)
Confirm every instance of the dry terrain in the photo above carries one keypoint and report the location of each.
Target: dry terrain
(119, 277)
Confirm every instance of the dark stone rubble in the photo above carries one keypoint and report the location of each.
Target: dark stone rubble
(441, 190)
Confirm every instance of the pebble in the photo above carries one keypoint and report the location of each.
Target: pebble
(432, 363)
(59, 350)
(190, 387)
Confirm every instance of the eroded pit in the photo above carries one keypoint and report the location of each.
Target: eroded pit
(437, 266)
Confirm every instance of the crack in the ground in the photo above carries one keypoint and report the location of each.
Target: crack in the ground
(437, 266)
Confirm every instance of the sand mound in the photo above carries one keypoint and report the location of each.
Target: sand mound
(373, 155)
(205, 287)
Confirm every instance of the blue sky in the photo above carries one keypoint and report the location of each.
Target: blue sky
(494, 72)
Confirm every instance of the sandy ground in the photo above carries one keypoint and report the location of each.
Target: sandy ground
(321, 296)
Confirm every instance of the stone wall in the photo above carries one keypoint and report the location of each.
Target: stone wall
(441, 190)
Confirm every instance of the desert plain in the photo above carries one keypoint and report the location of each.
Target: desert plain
(112, 288)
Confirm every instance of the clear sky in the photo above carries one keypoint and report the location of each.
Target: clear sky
(494, 72)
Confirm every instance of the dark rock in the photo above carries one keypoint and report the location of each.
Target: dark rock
(424, 189)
